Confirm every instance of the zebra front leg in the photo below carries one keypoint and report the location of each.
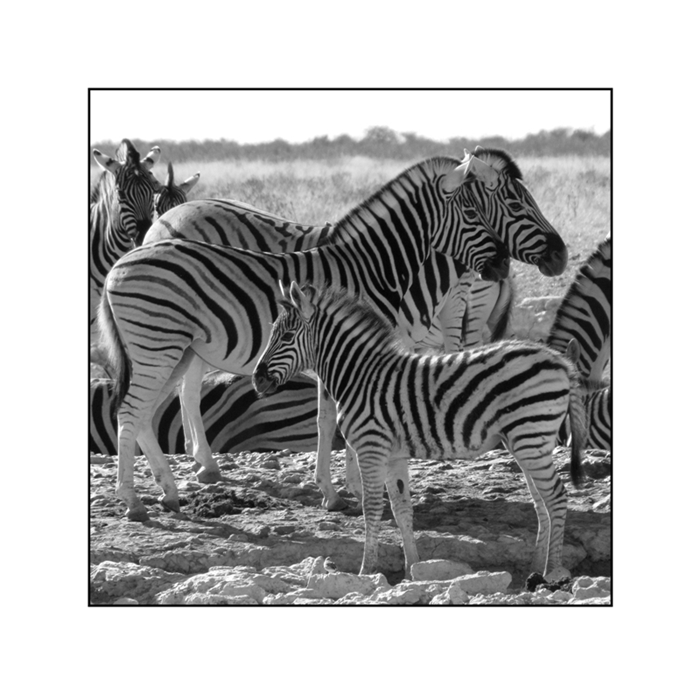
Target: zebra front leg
(190, 397)
(397, 485)
(326, 420)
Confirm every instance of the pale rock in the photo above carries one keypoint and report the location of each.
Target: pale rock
(126, 601)
(338, 584)
(221, 581)
(586, 587)
(560, 596)
(110, 580)
(484, 582)
(312, 601)
(402, 594)
(439, 570)
(592, 601)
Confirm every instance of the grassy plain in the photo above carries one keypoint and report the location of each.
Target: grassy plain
(573, 194)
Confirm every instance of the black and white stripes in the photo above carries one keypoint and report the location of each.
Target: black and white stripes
(393, 405)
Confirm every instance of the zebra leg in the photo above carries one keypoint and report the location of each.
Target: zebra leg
(190, 395)
(397, 485)
(352, 473)
(549, 496)
(327, 418)
(373, 467)
(148, 388)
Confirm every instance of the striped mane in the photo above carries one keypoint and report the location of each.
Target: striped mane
(102, 189)
(500, 160)
(422, 171)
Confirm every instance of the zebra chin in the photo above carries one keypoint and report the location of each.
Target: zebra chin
(264, 385)
(554, 262)
(493, 271)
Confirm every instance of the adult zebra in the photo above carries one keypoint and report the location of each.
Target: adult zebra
(394, 405)
(167, 301)
(235, 418)
(585, 313)
(121, 207)
(433, 303)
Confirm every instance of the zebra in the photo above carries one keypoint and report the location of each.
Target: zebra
(431, 313)
(170, 196)
(394, 404)
(121, 207)
(166, 301)
(107, 244)
(475, 307)
(235, 418)
(585, 313)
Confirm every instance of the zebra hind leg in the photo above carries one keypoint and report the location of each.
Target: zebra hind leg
(148, 388)
(397, 485)
(373, 469)
(205, 466)
(549, 496)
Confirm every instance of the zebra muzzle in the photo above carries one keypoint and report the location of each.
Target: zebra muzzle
(263, 383)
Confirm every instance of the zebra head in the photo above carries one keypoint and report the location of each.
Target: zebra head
(468, 235)
(287, 352)
(498, 189)
(168, 196)
(133, 186)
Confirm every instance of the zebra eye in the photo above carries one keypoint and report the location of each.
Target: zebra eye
(287, 337)
(516, 206)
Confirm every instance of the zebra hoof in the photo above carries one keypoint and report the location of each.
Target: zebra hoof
(338, 504)
(138, 514)
(170, 504)
(209, 476)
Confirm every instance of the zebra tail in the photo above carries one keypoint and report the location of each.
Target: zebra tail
(579, 430)
(118, 358)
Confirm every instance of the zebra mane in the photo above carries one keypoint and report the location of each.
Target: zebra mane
(102, 188)
(422, 171)
(500, 160)
(340, 302)
(576, 288)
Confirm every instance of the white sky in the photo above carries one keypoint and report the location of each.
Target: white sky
(297, 116)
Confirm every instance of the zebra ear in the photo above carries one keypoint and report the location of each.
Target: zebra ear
(105, 162)
(455, 178)
(481, 171)
(284, 291)
(301, 302)
(151, 158)
(170, 178)
(186, 186)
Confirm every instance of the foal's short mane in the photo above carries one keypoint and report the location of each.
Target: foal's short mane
(340, 302)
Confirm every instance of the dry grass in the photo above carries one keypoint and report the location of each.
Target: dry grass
(573, 193)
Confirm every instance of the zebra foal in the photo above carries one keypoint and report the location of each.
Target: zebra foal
(393, 405)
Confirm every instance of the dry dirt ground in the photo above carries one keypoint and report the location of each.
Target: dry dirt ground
(265, 519)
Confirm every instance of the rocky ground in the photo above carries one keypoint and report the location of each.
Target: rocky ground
(260, 537)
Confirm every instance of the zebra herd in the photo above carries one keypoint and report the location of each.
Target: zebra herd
(186, 286)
